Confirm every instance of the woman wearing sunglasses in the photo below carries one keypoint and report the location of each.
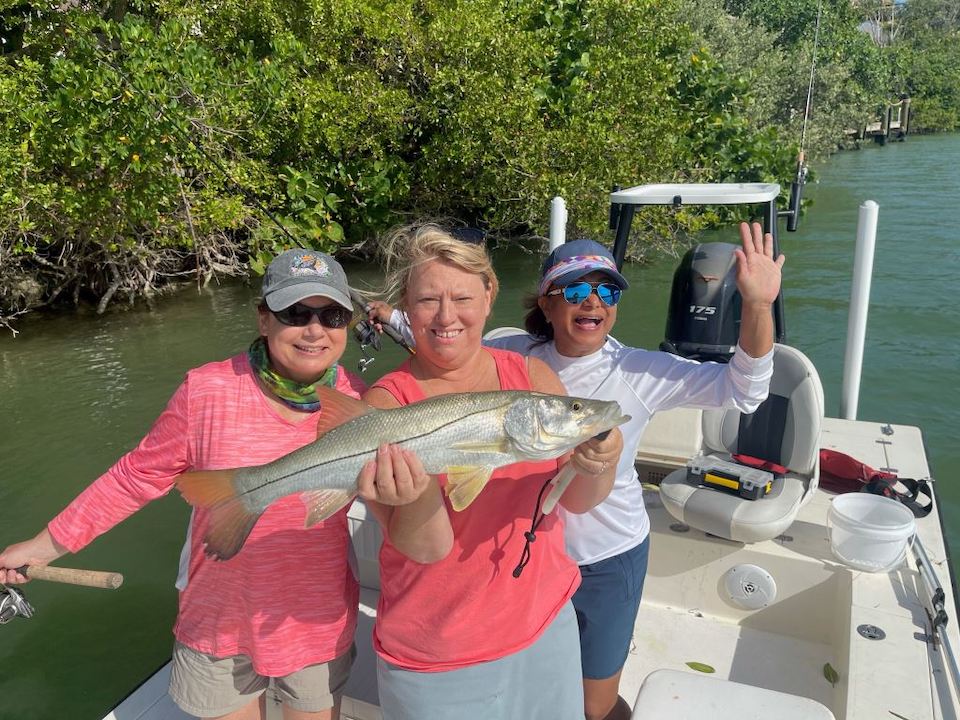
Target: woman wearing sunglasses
(569, 324)
(285, 606)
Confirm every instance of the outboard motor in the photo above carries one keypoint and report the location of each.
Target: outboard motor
(703, 320)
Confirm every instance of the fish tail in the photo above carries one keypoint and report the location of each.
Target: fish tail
(230, 520)
(230, 526)
(207, 488)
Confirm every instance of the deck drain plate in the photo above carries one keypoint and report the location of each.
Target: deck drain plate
(748, 587)
(871, 632)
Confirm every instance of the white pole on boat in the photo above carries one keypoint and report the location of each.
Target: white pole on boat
(859, 306)
(558, 222)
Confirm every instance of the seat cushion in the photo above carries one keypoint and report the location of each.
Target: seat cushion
(676, 695)
(730, 516)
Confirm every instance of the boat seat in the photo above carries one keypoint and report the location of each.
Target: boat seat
(502, 332)
(677, 695)
(785, 429)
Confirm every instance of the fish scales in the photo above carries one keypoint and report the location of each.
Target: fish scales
(431, 429)
(466, 436)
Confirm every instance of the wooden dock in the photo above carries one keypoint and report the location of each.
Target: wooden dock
(892, 123)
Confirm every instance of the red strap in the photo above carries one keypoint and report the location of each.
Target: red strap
(841, 465)
(767, 465)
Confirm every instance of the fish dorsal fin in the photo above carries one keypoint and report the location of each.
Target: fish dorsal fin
(321, 504)
(337, 408)
(464, 483)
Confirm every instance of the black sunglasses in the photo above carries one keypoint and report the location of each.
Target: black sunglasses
(298, 315)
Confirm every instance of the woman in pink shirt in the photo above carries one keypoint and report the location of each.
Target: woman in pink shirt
(233, 633)
(474, 619)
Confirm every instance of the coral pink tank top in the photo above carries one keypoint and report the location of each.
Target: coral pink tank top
(468, 608)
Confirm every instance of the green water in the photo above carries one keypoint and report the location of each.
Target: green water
(77, 391)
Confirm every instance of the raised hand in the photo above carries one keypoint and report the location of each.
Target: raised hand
(758, 272)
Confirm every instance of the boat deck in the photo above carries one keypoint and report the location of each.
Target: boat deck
(784, 646)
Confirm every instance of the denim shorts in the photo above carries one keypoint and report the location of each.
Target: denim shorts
(606, 604)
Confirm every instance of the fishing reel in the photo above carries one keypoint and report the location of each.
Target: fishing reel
(13, 603)
(366, 334)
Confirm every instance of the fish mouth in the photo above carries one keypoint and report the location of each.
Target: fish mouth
(609, 422)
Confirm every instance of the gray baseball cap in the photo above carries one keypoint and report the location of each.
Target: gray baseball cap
(297, 274)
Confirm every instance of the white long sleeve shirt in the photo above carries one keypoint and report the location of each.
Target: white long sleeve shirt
(643, 382)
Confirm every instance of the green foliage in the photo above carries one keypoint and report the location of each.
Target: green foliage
(927, 63)
(155, 141)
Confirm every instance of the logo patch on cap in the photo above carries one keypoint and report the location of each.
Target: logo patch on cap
(308, 265)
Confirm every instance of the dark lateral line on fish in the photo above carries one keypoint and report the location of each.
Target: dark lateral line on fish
(354, 455)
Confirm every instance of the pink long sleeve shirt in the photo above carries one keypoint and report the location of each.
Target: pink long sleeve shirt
(288, 599)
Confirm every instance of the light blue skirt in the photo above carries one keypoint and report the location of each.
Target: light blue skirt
(541, 682)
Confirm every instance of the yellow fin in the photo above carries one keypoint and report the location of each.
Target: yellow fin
(464, 483)
(321, 504)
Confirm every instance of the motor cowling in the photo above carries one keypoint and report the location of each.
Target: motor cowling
(703, 319)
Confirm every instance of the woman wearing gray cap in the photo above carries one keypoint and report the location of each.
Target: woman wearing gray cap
(285, 606)
(569, 326)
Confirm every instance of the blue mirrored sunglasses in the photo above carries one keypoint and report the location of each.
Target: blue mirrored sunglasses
(576, 293)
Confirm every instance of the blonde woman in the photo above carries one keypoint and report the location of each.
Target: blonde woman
(458, 634)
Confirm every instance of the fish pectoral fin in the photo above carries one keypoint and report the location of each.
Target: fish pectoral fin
(502, 447)
(322, 504)
(464, 483)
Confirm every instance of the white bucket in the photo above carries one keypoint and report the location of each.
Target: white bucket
(869, 532)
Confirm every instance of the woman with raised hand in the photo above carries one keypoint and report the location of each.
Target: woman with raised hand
(569, 325)
(464, 628)
(285, 607)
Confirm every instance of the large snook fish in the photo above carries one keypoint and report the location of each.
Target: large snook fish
(466, 436)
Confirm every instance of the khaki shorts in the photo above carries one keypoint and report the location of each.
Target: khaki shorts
(207, 686)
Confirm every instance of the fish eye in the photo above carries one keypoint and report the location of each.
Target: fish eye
(576, 406)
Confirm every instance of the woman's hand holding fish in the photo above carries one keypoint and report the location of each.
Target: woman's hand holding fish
(411, 508)
(596, 456)
(396, 477)
(596, 464)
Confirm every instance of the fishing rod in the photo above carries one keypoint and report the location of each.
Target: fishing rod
(367, 336)
(364, 331)
(13, 602)
(792, 213)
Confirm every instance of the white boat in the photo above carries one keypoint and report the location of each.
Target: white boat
(784, 628)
